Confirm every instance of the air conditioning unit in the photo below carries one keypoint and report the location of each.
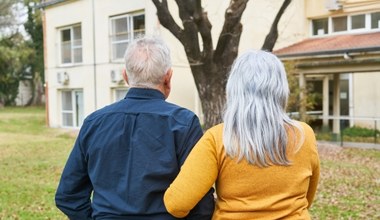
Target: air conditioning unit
(117, 76)
(63, 78)
(333, 5)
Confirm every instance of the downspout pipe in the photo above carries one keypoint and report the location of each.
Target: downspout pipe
(94, 54)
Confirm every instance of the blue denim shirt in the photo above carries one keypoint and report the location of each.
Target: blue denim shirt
(125, 157)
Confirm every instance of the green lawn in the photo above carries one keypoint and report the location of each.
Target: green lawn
(32, 157)
(31, 160)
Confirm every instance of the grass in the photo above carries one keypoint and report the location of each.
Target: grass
(31, 160)
(32, 157)
(349, 185)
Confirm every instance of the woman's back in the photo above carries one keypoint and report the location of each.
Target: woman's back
(264, 164)
(246, 191)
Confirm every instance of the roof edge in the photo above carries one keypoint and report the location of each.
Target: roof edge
(329, 52)
(49, 3)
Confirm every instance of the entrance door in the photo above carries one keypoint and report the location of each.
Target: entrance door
(72, 108)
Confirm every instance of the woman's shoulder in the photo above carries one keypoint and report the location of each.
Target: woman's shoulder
(216, 130)
(307, 130)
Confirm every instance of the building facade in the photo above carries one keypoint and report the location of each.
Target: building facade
(340, 60)
(85, 41)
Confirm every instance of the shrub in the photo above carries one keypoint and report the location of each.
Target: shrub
(359, 132)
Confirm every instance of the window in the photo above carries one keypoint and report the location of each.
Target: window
(339, 24)
(375, 20)
(358, 21)
(72, 108)
(124, 29)
(346, 24)
(320, 26)
(71, 44)
(119, 93)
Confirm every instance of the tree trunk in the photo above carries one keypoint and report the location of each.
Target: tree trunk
(211, 92)
(209, 66)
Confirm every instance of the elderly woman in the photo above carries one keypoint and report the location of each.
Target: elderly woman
(264, 165)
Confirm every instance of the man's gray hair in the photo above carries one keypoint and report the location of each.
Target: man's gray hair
(256, 125)
(147, 60)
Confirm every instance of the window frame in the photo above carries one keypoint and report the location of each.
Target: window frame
(330, 29)
(333, 31)
(76, 112)
(317, 34)
(350, 23)
(73, 46)
(370, 21)
(130, 32)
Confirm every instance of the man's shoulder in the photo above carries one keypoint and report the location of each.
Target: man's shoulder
(111, 108)
(179, 113)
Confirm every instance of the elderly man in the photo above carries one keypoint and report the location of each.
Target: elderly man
(128, 153)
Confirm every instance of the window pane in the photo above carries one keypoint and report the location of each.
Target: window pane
(78, 55)
(66, 52)
(65, 35)
(320, 26)
(138, 34)
(119, 25)
(358, 21)
(339, 24)
(119, 50)
(120, 37)
(67, 101)
(77, 32)
(79, 106)
(77, 43)
(67, 119)
(375, 20)
(139, 22)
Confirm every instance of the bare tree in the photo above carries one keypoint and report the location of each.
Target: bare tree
(210, 65)
(7, 14)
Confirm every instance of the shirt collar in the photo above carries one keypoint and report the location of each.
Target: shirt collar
(144, 93)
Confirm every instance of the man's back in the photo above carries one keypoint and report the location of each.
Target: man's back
(133, 150)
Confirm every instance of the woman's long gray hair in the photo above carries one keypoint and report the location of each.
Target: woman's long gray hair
(256, 125)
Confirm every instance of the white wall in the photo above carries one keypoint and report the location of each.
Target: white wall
(366, 87)
(256, 20)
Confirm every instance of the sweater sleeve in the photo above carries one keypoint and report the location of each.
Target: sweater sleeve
(195, 179)
(315, 165)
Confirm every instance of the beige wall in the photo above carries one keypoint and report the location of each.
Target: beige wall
(317, 8)
(81, 76)
(256, 20)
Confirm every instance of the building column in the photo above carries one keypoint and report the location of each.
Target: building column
(325, 110)
(351, 98)
(302, 84)
(336, 104)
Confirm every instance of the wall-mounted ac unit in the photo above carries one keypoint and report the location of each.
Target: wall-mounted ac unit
(333, 5)
(63, 78)
(117, 76)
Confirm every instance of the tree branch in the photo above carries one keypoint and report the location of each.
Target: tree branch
(230, 36)
(166, 19)
(190, 38)
(204, 28)
(271, 38)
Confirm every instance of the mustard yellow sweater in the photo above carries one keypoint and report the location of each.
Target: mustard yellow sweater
(246, 191)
